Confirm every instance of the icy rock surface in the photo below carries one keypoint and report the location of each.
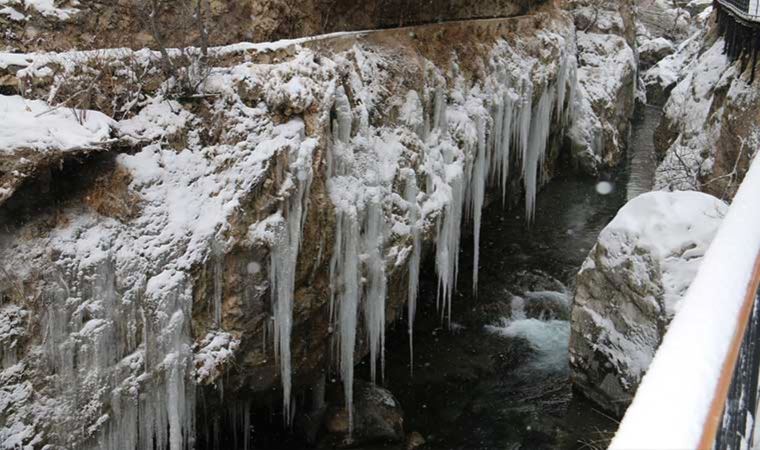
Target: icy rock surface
(630, 286)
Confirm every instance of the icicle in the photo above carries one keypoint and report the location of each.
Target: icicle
(347, 265)
(478, 191)
(439, 110)
(524, 119)
(410, 195)
(536, 151)
(246, 426)
(343, 116)
(374, 299)
(283, 265)
(505, 144)
(448, 236)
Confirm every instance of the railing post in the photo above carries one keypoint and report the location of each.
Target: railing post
(740, 409)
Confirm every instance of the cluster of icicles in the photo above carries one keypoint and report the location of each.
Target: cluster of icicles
(512, 123)
(508, 128)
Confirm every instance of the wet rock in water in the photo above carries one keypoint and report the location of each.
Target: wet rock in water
(414, 440)
(547, 305)
(534, 281)
(630, 286)
(534, 295)
(378, 417)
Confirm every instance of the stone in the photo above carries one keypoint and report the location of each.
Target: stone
(654, 50)
(414, 440)
(378, 417)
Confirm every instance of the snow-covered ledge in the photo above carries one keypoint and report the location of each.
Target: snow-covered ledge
(672, 407)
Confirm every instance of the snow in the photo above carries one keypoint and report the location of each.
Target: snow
(656, 45)
(675, 228)
(36, 125)
(214, 351)
(45, 7)
(673, 400)
(158, 119)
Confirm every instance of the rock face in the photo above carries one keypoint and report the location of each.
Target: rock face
(629, 289)
(88, 24)
(708, 134)
(607, 75)
(259, 211)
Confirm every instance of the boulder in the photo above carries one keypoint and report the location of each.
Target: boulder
(653, 50)
(378, 417)
(630, 286)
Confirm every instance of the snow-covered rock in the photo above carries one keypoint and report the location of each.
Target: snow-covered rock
(607, 74)
(36, 136)
(709, 130)
(629, 289)
(654, 50)
(660, 79)
(665, 19)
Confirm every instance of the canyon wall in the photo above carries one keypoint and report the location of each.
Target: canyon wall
(249, 226)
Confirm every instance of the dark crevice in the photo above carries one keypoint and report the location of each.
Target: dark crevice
(53, 186)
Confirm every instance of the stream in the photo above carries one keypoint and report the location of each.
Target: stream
(498, 377)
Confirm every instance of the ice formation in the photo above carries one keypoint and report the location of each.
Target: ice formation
(468, 137)
(284, 260)
(410, 196)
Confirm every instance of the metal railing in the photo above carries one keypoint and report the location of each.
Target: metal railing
(701, 389)
(745, 9)
(736, 428)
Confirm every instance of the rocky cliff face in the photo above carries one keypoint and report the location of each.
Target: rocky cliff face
(225, 239)
(708, 134)
(88, 24)
(607, 75)
(629, 289)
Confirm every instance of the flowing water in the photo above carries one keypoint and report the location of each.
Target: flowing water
(499, 378)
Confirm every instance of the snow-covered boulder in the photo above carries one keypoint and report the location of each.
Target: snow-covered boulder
(653, 50)
(630, 286)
